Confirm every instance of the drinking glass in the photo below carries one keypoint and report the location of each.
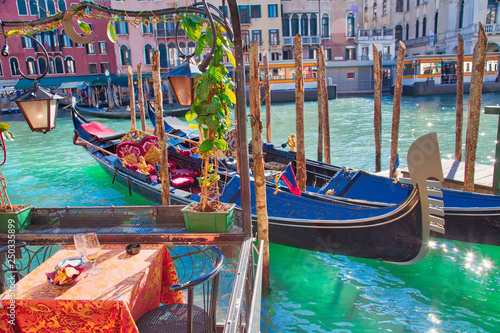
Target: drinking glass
(91, 249)
(79, 239)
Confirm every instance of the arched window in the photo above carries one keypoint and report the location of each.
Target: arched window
(59, 65)
(366, 13)
(399, 32)
(461, 15)
(33, 7)
(52, 66)
(407, 31)
(31, 68)
(173, 55)
(325, 26)
(148, 54)
(399, 6)
(125, 55)
(424, 26)
(191, 47)
(14, 66)
(42, 10)
(51, 7)
(350, 25)
(491, 13)
(304, 25)
(62, 5)
(436, 19)
(374, 9)
(70, 65)
(21, 7)
(42, 64)
(285, 25)
(407, 5)
(65, 39)
(163, 56)
(313, 23)
(384, 7)
(295, 24)
(417, 27)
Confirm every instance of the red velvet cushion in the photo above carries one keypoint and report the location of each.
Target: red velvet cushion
(129, 148)
(149, 141)
(185, 172)
(172, 165)
(182, 181)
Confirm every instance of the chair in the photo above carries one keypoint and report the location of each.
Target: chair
(189, 317)
(6, 267)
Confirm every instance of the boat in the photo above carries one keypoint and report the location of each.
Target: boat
(470, 217)
(104, 113)
(396, 233)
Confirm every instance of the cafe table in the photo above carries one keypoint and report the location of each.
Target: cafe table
(128, 287)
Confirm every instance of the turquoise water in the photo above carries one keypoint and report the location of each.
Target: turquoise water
(454, 289)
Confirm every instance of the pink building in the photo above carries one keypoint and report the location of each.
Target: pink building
(65, 57)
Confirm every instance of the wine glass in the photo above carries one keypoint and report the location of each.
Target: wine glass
(79, 239)
(91, 249)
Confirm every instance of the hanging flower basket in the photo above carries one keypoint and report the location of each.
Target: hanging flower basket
(17, 220)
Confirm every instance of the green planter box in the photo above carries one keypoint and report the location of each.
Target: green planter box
(208, 221)
(20, 220)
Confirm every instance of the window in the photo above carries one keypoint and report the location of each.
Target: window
(148, 54)
(350, 75)
(374, 10)
(461, 15)
(304, 25)
(366, 13)
(417, 26)
(424, 26)
(272, 10)
(328, 54)
(27, 43)
(173, 55)
(31, 66)
(90, 48)
(191, 47)
(104, 67)
(102, 48)
(399, 6)
(244, 14)
(223, 10)
(407, 31)
(62, 5)
(121, 28)
(325, 29)
(399, 32)
(436, 18)
(491, 13)
(42, 11)
(417, 3)
(257, 36)
(92, 68)
(14, 66)
(275, 56)
(245, 37)
(59, 65)
(66, 42)
(33, 7)
(350, 25)
(1, 70)
(124, 55)
(147, 28)
(384, 7)
(274, 37)
(42, 64)
(407, 5)
(387, 50)
(365, 53)
(70, 65)
(255, 11)
(295, 24)
(21, 7)
(313, 23)
(51, 7)
(350, 53)
(163, 56)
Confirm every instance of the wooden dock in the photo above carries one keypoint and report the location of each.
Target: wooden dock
(453, 173)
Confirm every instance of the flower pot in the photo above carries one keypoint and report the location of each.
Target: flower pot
(16, 221)
(217, 222)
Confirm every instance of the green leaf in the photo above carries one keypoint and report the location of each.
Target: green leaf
(202, 42)
(193, 126)
(4, 127)
(12, 32)
(215, 106)
(111, 32)
(230, 56)
(190, 115)
(213, 177)
(221, 144)
(192, 27)
(213, 122)
(210, 168)
(84, 27)
(8, 135)
(230, 94)
(206, 146)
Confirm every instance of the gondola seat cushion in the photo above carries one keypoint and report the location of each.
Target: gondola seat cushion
(172, 165)
(185, 172)
(129, 151)
(150, 146)
(182, 181)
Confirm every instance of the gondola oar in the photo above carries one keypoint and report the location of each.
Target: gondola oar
(84, 143)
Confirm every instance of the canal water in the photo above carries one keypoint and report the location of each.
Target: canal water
(454, 289)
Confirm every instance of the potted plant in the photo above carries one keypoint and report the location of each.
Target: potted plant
(12, 217)
(214, 97)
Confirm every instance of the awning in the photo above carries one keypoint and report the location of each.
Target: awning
(71, 85)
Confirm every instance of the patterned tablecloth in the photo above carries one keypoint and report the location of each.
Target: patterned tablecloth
(110, 302)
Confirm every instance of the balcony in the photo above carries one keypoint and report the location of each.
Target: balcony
(489, 29)
(306, 40)
(375, 34)
(168, 33)
(418, 41)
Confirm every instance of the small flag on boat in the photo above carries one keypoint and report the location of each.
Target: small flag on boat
(288, 176)
(396, 164)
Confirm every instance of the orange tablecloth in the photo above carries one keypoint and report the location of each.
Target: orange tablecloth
(110, 302)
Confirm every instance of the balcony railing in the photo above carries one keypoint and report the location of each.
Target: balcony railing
(490, 29)
(417, 41)
(376, 34)
(306, 40)
(168, 33)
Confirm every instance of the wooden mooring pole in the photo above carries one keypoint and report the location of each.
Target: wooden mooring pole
(460, 98)
(496, 165)
(258, 160)
(396, 109)
(377, 108)
(319, 90)
(131, 97)
(267, 90)
(160, 130)
(476, 89)
(299, 109)
(141, 96)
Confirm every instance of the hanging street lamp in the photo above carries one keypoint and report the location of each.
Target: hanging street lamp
(183, 80)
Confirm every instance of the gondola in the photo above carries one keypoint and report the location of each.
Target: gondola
(104, 113)
(470, 217)
(394, 233)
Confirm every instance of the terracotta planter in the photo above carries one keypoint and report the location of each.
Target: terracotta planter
(18, 221)
(215, 222)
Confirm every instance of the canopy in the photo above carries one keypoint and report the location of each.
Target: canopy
(71, 85)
